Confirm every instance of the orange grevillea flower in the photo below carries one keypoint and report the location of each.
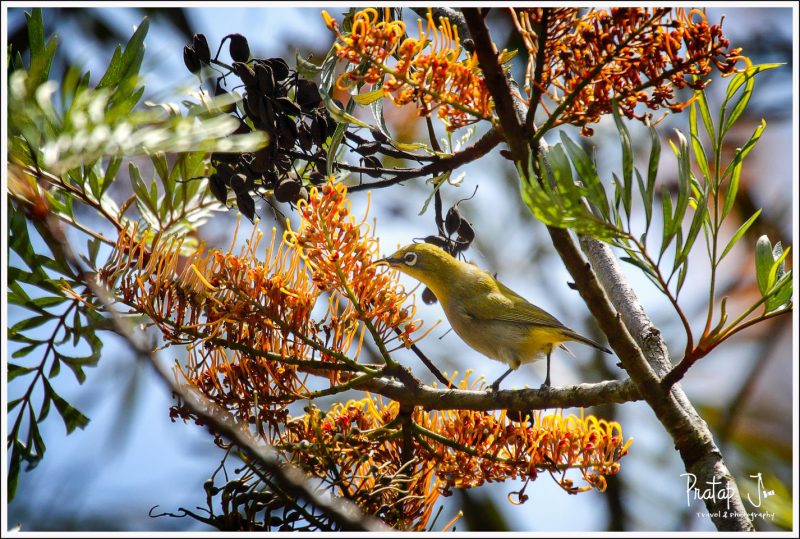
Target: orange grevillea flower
(340, 254)
(356, 448)
(246, 319)
(634, 55)
(245, 322)
(428, 73)
(364, 442)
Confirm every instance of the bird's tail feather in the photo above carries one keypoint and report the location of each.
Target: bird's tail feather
(590, 342)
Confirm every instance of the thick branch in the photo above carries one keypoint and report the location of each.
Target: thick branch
(497, 83)
(518, 400)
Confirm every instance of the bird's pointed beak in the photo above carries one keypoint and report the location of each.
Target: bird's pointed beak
(387, 260)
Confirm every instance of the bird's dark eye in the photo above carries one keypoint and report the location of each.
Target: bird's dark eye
(410, 258)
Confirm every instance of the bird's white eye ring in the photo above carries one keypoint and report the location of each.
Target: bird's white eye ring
(410, 258)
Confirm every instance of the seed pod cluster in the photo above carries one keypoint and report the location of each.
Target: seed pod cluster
(277, 101)
(456, 238)
(196, 55)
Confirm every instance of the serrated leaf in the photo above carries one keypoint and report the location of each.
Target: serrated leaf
(24, 351)
(15, 371)
(701, 213)
(666, 212)
(773, 276)
(627, 157)
(146, 208)
(29, 323)
(14, 403)
(327, 80)
(72, 417)
(14, 469)
(35, 24)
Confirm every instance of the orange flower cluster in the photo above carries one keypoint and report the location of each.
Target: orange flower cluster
(634, 55)
(340, 255)
(359, 446)
(505, 449)
(215, 301)
(428, 72)
(356, 449)
(369, 43)
(248, 323)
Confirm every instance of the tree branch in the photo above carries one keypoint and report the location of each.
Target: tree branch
(481, 147)
(516, 400)
(496, 81)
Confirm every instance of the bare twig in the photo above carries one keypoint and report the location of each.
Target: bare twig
(481, 147)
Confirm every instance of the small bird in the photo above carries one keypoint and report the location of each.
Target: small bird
(486, 314)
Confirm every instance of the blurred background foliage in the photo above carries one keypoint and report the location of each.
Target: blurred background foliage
(130, 457)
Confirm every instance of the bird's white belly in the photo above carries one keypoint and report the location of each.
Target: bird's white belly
(502, 341)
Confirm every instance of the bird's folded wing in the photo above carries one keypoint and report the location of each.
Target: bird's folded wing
(509, 307)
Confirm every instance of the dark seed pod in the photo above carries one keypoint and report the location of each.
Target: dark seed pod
(221, 157)
(330, 123)
(238, 183)
(279, 67)
(225, 170)
(507, 154)
(246, 205)
(287, 132)
(318, 131)
(288, 106)
(465, 231)
(239, 49)
(316, 178)
(248, 76)
(218, 188)
(288, 190)
(266, 82)
(283, 162)
(453, 220)
(303, 194)
(428, 296)
(191, 60)
(378, 135)
(200, 46)
(368, 148)
(304, 137)
(438, 241)
(307, 95)
(258, 163)
(270, 178)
